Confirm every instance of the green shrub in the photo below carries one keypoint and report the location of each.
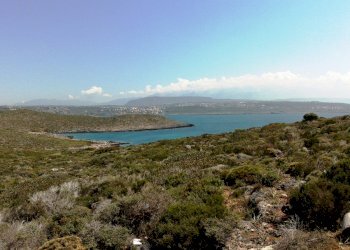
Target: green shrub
(340, 172)
(187, 225)
(113, 237)
(300, 169)
(137, 185)
(310, 117)
(109, 189)
(139, 212)
(174, 180)
(218, 230)
(250, 175)
(311, 142)
(156, 154)
(69, 222)
(96, 235)
(68, 242)
(322, 202)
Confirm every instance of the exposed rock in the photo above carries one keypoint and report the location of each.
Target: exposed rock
(346, 225)
(267, 248)
(267, 204)
(243, 156)
(217, 167)
(342, 143)
(289, 183)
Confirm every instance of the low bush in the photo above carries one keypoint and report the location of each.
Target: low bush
(19, 235)
(68, 242)
(300, 169)
(68, 222)
(57, 198)
(251, 174)
(189, 225)
(321, 203)
(138, 212)
(108, 189)
(310, 117)
(97, 235)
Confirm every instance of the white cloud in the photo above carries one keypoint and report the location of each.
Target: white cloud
(95, 90)
(271, 84)
(72, 97)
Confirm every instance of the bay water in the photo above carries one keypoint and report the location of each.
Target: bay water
(203, 124)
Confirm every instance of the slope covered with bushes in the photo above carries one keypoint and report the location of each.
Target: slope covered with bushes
(248, 188)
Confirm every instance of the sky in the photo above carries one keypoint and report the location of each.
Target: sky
(109, 49)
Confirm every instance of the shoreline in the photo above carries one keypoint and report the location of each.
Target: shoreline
(104, 144)
(125, 130)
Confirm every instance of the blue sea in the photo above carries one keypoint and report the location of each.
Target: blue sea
(203, 124)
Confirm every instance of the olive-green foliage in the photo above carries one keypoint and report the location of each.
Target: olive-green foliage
(108, 189)
(322, 202)
(310, 142)
(250, 175)
(112, 237)
(310, 117)
(156, 154)
(182, 227)
(97, 235)
(300, 169)
(69, 222)
(138, 212)
(67, 242)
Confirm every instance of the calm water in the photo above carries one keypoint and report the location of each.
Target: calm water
(203, 124)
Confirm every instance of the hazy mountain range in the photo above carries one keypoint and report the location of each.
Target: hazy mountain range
(163, 101)
(57, 102)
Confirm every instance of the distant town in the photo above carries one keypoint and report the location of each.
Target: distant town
(191, 105)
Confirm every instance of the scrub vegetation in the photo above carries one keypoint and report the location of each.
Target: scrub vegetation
(285, 185)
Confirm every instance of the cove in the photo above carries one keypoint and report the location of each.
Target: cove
(203, 124)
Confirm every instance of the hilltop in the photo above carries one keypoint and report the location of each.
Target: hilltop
(271, 186)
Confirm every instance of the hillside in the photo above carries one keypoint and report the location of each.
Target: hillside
(257, 107)
(27, 120)
(271, 186)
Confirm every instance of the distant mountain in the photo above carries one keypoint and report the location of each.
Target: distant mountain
(55, 102)
(170, 100)
(120, 101)
(329, 100)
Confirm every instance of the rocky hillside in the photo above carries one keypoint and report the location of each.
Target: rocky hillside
(282, 186)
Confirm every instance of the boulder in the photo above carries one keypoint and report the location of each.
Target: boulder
(346, 224)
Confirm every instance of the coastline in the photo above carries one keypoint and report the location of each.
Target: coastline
(124, 130)
(103, 144)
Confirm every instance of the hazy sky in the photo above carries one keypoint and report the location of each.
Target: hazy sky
(102, 50)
